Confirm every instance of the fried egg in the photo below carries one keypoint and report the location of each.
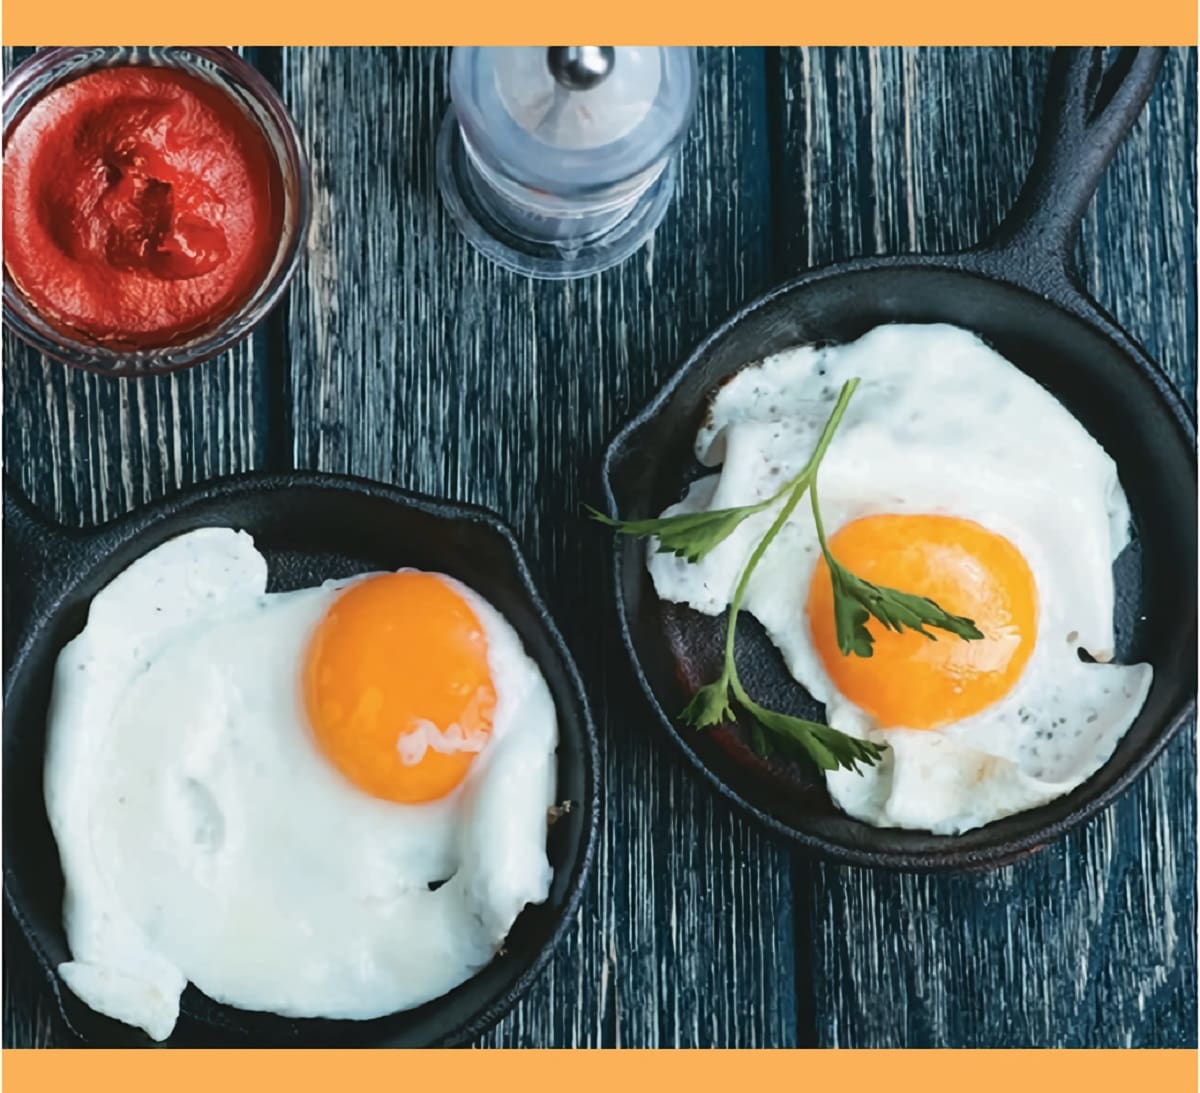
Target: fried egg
(954, 476)
(323, 803)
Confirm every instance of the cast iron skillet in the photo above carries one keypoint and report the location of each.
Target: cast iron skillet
(1021, 292)
(311, 527)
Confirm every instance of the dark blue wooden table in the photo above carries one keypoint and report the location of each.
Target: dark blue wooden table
(401, 355)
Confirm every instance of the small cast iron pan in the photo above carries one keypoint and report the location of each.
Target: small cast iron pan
(1021, 292)
(311, 527)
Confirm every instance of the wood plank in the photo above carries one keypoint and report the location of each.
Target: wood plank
(86, 448)
(417, 362)
(1092, 941)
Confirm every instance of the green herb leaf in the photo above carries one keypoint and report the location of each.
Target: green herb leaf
(689, 535)
(856, 600)
(710, 705)
(828, 748)
(849, 614)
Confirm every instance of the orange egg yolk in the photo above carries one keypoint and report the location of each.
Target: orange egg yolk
(911, 681)
(397, 654)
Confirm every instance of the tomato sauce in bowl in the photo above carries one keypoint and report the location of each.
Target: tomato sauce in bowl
(151, 214)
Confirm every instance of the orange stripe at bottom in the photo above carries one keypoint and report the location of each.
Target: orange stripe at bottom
(1016, 1071)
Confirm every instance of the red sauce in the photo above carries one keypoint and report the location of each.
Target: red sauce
(141, 205)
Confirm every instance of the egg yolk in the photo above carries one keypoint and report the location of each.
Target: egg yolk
(396, 655)
(911, 681)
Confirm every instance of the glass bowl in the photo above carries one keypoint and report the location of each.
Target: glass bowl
(48, 69)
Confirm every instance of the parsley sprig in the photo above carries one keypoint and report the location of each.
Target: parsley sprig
(693, 535)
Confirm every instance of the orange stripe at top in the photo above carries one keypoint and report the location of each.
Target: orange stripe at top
(665, 22)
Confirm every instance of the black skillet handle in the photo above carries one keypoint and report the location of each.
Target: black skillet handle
(38, 557)
(1089, 110)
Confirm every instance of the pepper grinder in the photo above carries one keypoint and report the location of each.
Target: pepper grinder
(557, 162)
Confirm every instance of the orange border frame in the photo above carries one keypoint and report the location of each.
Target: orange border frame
(355, 22)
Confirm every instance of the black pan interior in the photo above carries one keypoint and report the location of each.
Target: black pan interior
(1124, 402)
(311, 528)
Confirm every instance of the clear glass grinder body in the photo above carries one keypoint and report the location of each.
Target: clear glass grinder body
(558, 162)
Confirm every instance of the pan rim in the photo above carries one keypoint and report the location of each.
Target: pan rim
(978, 264)
(983, 264)
(137, 522)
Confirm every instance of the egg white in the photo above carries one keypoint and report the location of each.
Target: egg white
(204, 838)
(940, 424)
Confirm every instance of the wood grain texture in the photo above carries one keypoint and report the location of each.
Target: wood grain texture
(1092, 941)
(402, 355)
(417, 362)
